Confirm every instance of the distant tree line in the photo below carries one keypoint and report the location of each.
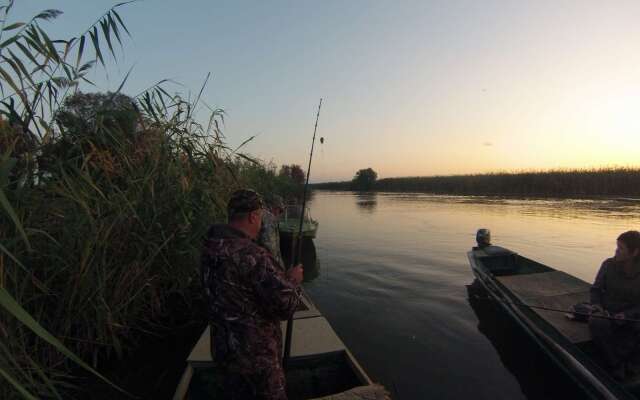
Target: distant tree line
(554, 183)
(294, 172)
(338, 185)
(364, 180)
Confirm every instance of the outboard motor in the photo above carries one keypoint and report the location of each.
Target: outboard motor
(483, 238)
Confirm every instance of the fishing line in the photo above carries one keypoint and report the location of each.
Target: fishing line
(554, 309)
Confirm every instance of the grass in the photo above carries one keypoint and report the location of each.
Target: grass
(104, 201)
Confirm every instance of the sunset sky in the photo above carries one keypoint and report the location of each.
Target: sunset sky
(409, 87)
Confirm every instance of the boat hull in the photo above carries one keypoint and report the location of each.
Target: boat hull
(595, 382)
(291, 228)
(320, 364)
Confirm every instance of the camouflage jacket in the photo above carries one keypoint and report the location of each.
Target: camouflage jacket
(248, 296)
(269, 236)
(615, 291)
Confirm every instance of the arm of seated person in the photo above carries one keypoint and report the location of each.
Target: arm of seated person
(598, 286)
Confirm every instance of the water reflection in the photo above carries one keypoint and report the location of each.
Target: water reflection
(311, 269)
(566, 209)
(538, 377)
(367, 202)
(308, 257)
(401, 272)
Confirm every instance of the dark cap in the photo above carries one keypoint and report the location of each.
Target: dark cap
(243, 201)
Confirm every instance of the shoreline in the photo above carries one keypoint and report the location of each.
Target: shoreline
(605, 182)
(620, 198)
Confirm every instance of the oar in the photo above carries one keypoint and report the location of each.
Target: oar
(298, 243)
(519, 303)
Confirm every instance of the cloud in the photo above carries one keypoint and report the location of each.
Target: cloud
(488, 144)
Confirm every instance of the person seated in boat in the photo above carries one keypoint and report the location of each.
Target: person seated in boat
(616, 294)
(269, 236)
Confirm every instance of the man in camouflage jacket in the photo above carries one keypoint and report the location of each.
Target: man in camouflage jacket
(248, 295)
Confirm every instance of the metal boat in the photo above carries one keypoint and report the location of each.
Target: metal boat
(532, 294)
(320, 364)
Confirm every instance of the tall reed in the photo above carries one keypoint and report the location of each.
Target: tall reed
(104, 200)
(621, 182)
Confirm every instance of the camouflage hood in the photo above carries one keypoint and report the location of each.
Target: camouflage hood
(224, 231)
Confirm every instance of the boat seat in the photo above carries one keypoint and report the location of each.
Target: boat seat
(306, 308)
(556, 290)
(311, 336)
(308, 323)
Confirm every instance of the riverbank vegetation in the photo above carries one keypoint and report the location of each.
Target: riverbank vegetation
(620, 182)
(104, 201)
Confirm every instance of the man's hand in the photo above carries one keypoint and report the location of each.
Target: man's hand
(597, 311)
(296, 274)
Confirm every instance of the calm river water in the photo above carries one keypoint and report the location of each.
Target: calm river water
(393, 282)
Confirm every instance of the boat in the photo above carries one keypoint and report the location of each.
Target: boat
(290, 222)
(320, 364)
(532, 294)
(537, 376)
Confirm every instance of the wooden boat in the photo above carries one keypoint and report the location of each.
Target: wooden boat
(290, 222)
(320, 364)
(520, 284)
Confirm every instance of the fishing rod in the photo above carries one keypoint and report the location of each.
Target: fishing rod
(298, 241)
(609, 317)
